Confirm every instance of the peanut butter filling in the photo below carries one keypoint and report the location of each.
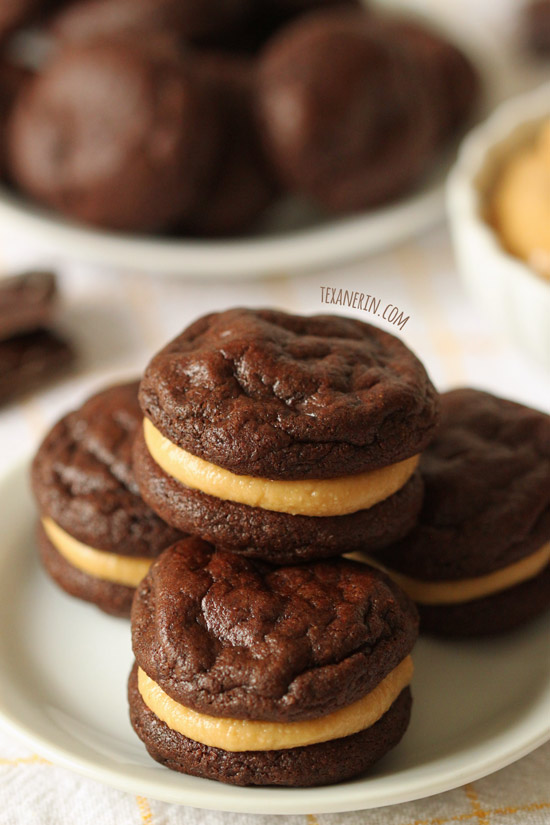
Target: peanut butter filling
(521, 203)
(252, 735)
(110, 567)
(324, 497)
(467, 590)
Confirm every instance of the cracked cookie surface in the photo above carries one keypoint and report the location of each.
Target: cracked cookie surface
(235, 637)
(487, 497)
(82, 477)
(274, 395)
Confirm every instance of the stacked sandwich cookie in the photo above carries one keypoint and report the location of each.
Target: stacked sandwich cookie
(281, 442)
(259, 675)
(283, 437)
(478, 561)
(97, 538)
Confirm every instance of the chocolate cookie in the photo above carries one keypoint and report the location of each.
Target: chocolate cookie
(26, 302)
(83, 481)
(320, 764)
(15, 13)
(12, 79)
(276, 537)
(111, 597)
(233, 638)
(32, 360)
(536, 24)
(448, 74)
(120, 134)
(279, 396)
(499, 613)
(87, 19)
(486, 513)
(346, 119)
(243, 187)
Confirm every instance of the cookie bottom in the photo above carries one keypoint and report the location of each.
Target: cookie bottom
(490, 615)
(275, 537)
(321, 764)
(112, 598)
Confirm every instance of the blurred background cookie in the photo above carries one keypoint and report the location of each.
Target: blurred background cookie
(185, 19)
(12, 79)
(244, 184)
(147, 117)
(117, 134)
(346, 116)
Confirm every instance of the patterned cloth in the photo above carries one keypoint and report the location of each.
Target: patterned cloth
(35, 792)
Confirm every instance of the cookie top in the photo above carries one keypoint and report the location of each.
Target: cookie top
(229, 636)
(274, 395)
(346, 119)
(487, 496)
(118, 133)
(82, 477)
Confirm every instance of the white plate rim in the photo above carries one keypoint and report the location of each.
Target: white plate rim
(249, 800)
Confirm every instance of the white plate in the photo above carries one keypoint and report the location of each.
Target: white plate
(294, 238)
(63, 670)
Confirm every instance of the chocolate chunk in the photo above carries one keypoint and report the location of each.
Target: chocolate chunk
(26, 302)
(31, 360)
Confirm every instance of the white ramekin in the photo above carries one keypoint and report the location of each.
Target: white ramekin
(510, 294)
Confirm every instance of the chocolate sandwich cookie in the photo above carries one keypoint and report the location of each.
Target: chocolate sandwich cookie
(478, 561)
(97, 537)
(186, 19)
(256, 675)
(285, 437)
(243, 186)
(122, 134)
(346, 118)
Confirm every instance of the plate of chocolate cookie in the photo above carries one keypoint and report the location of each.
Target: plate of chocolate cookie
(239, 145)
(281, 573)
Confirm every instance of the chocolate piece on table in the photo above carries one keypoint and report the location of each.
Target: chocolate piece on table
(31, 360)
(27, 302)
